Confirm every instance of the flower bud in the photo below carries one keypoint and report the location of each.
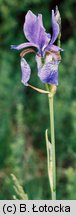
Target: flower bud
(58, 17)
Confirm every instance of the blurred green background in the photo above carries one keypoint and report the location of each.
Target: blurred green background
(24, 114)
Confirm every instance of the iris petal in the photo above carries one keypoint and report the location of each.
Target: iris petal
(26, 71)
(40, 20)
(48, 72)
(23, 45)
(35, 31)
(55, 28)
(53, 48)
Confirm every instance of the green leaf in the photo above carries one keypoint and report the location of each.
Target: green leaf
(49, 159)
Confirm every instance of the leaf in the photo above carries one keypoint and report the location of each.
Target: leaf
(49, 159)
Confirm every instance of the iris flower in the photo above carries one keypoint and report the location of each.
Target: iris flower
(47, 55)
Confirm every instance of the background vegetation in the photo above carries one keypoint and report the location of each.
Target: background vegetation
(24, 113)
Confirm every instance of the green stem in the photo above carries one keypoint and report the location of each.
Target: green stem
(51, 109)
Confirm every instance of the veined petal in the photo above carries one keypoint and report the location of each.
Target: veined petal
(23, 45)
(35, 31)
(40, 20)
(56, 48)
(53, 48)
(26, 71)
(43, 41)
(41, 24)
(55, 28)
(48, 72)
(30, 27)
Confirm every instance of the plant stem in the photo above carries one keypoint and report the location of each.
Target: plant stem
(51, 109)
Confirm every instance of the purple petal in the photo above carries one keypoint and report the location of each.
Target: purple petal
(48, 72)
(56, 48)
(23, 45)
(53, 48)
(34, 30)
(26, 71)
(40, 20)
(55, 28)
(29, 26)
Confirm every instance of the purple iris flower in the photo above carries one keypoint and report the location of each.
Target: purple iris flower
(47, 55)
